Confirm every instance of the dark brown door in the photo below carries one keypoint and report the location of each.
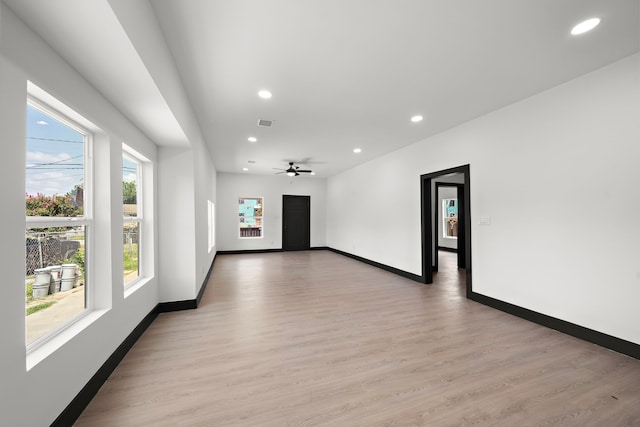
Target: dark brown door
(296, 223)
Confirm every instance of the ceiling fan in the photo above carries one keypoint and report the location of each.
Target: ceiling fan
(293, 170)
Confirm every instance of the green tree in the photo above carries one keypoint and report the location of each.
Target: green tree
(129, 193)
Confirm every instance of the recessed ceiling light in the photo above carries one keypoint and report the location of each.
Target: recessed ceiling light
(264, 94)
(416, 119)
(252, 139)
(245, 169)
(357, 150)
(585, 26)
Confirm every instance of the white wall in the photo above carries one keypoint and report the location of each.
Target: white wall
(554, 252)
(205, 189)
(388, 192)
(35, 389)
(176, 242)
(12, 368)
(188, 177)
(231, 186)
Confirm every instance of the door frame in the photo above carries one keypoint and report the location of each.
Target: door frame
(286, 197)
(428, 223)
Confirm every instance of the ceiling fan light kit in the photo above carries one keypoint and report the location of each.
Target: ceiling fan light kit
(293, 170)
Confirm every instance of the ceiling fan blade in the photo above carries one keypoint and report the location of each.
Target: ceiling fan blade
(304, 170)
(276, 173)
(302, 161)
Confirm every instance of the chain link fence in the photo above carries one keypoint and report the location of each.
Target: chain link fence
(44, 248)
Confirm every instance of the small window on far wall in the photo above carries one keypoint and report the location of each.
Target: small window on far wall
(250, 211)
(450, 218)
(132, 213)
(212, 224)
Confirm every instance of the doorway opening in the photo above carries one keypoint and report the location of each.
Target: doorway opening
(430, 214)
(447, 227)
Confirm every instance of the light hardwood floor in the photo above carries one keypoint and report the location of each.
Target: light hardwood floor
(317, 339)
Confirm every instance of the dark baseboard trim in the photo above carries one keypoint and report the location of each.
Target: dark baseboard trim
(390, 269)
(206, 281)
(187, 304)
(617, 344)
(249, 251)
(264, 251)
(82, 399)
(444, 248)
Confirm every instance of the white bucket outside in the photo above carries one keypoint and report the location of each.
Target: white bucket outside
(42, 276)
(67, 283)
(69, 271)
(41, 284)
(56, 274)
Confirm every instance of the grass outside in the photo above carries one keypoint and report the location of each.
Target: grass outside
(130, 257)
(33, 305)
(130, 262)
(41, 306)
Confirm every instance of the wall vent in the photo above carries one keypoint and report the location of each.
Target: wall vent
(265, 123)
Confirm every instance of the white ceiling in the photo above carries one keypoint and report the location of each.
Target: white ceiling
(343, 73)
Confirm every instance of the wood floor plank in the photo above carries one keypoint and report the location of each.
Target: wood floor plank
(317, 339)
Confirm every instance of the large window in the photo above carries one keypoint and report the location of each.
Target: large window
(250, 216)
(58, 221)
(132, 211)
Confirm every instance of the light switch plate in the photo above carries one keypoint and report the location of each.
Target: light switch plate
(484, 220)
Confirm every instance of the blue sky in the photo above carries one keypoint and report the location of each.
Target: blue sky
(55, 155)
(129, 170)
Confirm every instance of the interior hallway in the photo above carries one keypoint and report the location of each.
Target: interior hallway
(315, 338)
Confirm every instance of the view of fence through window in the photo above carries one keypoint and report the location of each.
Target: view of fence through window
(132, 217)
(57, 224)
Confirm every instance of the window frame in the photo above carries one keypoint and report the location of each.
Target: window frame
(211, 221)
(87, 220)
(132, 156)
(261, 217)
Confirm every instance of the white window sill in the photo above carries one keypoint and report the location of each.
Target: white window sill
(51, 344)
(133, 286)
